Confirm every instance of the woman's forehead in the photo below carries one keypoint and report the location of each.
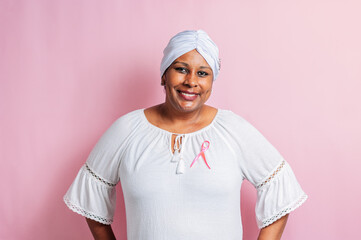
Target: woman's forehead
(192, 57)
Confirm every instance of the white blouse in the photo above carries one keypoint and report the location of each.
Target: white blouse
(167, 199)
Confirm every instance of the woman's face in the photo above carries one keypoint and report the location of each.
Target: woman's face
(188, 82)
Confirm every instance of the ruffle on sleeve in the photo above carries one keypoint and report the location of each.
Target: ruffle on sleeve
(92, 196)
(277, 195)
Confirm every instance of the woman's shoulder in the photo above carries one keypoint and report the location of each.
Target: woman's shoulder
(228, 116)
(127, 122)
(130, 116)
(240, 127)
(235, 123)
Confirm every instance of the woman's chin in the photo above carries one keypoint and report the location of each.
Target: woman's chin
(183, 106)
(186, 108)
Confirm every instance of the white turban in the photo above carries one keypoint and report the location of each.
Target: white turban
(186, 41)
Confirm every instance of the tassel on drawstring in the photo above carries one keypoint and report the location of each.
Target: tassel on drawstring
(175, 157)
(180, 166)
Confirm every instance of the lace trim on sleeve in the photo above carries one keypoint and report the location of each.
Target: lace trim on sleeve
(86, 214)
(284, 212)
(99, 178)
(273, 175)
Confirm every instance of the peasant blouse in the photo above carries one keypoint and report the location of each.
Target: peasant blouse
(193, 193)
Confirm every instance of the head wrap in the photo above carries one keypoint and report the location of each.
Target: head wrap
(186, 41)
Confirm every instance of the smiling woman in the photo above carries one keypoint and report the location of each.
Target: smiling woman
(181, 163)
(188, 83)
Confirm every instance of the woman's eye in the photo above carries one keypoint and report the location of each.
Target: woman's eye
(202, 74)
(180, 69)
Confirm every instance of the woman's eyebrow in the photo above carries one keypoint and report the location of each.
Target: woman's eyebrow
(186, 64)
(205, 67)
(183, 63)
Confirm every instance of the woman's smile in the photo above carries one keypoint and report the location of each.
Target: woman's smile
(188, 96)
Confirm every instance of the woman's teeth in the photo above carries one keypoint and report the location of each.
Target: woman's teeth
(188, 94)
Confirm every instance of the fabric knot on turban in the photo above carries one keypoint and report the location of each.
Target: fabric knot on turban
(186, 41)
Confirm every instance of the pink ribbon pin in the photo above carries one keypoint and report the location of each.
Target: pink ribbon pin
(205, 146)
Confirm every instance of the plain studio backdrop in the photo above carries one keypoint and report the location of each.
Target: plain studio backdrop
(68, 69)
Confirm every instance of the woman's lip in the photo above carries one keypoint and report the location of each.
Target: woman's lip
(188, 96)
(187, 92)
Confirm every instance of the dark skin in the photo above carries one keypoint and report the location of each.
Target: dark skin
(273, 231)
(188, 85)
(100, 231)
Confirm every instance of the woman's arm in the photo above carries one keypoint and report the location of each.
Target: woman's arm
(100, 231)
(273, 231)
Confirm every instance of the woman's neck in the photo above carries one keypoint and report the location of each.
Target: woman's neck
(180, 122)
(172, 116)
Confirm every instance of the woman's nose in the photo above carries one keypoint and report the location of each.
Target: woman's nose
(191, 79)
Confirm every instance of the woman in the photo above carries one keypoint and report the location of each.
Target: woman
(181, 163)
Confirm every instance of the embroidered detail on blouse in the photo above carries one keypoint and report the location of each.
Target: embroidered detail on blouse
(98, 178)
(285, 211)
(265, 182)
(86, 214)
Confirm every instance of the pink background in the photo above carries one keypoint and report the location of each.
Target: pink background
(68, 69)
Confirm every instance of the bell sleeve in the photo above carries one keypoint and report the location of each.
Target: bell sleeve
(92, 193)
(278, 191)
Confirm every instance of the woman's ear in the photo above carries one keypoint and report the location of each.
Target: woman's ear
(162, 83)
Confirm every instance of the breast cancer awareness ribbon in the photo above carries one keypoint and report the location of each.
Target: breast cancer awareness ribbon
(205, 146)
